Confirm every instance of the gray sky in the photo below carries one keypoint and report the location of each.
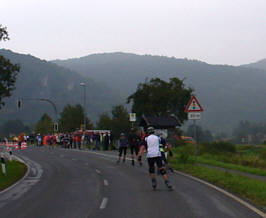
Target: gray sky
(215, 31)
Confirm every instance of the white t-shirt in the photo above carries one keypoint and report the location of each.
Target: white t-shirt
(153, 146)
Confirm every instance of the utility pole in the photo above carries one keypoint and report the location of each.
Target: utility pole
(84, 104)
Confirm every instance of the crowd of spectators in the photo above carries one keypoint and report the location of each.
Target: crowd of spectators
(77, 140)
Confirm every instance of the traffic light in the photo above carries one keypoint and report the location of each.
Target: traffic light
(19, 103)
(55, 127)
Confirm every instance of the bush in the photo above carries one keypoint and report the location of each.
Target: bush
(184, 157)
(184, 153)
(263, 154)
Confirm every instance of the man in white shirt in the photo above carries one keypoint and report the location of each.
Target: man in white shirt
(152, 145)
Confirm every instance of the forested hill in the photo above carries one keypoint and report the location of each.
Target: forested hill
(228, 94)
(41, 79)
(258, 65)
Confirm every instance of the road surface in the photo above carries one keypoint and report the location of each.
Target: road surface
(65, 183)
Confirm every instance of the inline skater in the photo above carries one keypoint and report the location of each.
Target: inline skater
(134, 142)
(152, 144)
(164, 148)
(122, 147)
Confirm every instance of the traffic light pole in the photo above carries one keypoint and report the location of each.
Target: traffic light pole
(41, 99)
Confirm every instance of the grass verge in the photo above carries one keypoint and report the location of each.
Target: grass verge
(251, 170)
(250, 189)
(14, 171)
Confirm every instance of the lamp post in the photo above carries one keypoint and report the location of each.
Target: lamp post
(84, 103)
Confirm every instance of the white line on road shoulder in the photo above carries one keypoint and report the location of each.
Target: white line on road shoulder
(98, 171)
(104, 203)
(105, 182)
(254, 209)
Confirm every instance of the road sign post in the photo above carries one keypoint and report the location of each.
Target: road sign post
(194, 110)
(132, 118)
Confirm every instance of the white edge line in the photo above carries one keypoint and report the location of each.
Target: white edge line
(105, 182)
(98, 171)
(254, 209)
(104, 203)
(107, 155)
(19, 181)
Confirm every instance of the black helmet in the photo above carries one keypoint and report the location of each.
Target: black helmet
(150, 130)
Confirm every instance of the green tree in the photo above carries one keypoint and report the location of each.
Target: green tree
(120, 120)
(13, 127)
(160, 98)
(8, 71)
(72, 117)
(44, 125)
(105, 122)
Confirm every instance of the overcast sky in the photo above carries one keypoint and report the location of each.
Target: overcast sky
(214, 31)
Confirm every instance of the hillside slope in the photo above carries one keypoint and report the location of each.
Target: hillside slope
(228, 94)
(257, 65)
(42, 79)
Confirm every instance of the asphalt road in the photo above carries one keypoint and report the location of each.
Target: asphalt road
(66, 183)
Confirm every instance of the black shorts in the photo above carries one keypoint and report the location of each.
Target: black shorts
(152, 161)
(122, 150)
(134, 148)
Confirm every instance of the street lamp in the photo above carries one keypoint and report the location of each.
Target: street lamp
(84, 106)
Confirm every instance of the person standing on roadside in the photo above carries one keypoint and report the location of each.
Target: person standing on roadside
(20, 140)
(106, 142)
(79, 141)
(71, 140)
(112, 141)
(97, 139)
(122, 147)
(152, 145)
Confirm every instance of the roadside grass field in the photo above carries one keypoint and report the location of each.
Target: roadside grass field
(246, 169)
(245, 158)
(14, 171)
(249, 159)
(252, 190)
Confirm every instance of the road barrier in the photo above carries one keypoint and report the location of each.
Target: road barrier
(3, 163)
(13, 145)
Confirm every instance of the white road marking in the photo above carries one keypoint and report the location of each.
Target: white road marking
(107, 155)
(104, 203)
(246, 204)
(74, 159)
(105, 182)
(98, 171)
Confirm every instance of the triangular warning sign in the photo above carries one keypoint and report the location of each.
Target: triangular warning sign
(193, 105)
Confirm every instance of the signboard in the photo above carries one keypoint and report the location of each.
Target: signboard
(194, 115)
(193, 105)
(132, 117)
